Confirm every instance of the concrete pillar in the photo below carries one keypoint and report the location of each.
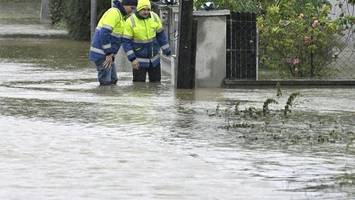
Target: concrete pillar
(45, 14)
(211, 48)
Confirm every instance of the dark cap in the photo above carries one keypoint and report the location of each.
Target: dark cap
(129, 2)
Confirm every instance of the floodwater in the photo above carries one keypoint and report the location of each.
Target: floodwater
(64, 137)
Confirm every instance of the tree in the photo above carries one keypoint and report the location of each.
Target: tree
(75, 15)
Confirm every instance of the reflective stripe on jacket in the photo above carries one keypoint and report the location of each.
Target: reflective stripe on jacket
(108, 35)
(143, 38)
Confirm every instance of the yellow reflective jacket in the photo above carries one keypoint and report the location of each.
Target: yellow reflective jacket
(108, 35)
(143, 38)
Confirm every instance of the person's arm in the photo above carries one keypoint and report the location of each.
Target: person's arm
(109, 20)
(161, 36)
(127, 43)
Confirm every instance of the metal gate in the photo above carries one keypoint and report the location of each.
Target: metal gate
(241, 47)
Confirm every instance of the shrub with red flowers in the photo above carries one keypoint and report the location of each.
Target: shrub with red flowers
(298, 38)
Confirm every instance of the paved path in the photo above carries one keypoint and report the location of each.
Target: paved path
(31, 30)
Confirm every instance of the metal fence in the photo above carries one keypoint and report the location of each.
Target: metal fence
(241, 46)
(342, 64)
(242, 57)
(344, 58)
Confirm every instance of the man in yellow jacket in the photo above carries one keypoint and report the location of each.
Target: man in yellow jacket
(108, 38)
(143, 38)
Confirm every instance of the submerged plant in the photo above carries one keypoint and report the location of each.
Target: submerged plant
(278, 87)
(236, 107)
(350, 142)
(290, 102)
(217, 110)
(252, 112)
(266, 105)
(239, 125)
(346, 179)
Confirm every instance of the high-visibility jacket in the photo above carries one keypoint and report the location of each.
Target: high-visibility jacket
(143, 38)
(108, 35)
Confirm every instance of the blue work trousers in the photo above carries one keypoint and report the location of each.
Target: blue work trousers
(106, 76)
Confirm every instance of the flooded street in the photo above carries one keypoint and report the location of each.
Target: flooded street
(64, 137)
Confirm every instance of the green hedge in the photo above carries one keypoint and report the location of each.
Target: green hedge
(75, 15)
(56, 8)
(253, 6)
(77, 18)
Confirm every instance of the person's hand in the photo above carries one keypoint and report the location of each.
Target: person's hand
(167, 52)
(108, 62)
(135, 64)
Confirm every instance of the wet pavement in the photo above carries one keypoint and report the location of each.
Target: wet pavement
(31, 31)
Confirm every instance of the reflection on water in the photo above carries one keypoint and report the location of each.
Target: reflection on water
(50, 53)
(23, 12)
(64, 137)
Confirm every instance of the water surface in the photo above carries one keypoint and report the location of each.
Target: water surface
(64, 137)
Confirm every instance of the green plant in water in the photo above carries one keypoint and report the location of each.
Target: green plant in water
(217, 109)
(266, 105)
(351, 139)
(335, 136)
(346, 179)
(239, 125)
(250, 111)
(290, 102)
(278, 87)
(217, 112)
(236, 107)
